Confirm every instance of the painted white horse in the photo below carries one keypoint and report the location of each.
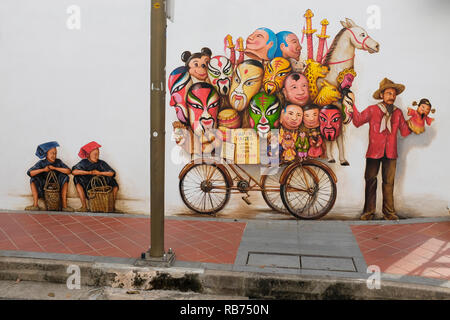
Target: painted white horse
(340, 56)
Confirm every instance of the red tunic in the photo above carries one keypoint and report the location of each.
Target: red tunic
(385, 142)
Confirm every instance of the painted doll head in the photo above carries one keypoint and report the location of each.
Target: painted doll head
(330, 122)
(291, 117)
(296, 89)
(288, 45)
(311, 116)
(275, 73)
(197, 63)
(262, 44)
(424, 107)
(247, 80)
(220, 73)
(179, 83)
(203, 103)
(264, 112)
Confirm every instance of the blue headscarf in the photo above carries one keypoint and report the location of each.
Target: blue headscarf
(281, 38)
(42, 149)
(273, 39)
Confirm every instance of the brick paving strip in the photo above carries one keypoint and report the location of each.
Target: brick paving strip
(409, 249)
(120, 237)
(419, 249)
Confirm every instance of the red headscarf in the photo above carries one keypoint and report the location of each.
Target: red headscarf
(87, 149)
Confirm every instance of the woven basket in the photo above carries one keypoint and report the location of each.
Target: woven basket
(100, 195)
(52, 196)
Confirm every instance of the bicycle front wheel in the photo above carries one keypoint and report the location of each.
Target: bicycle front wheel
(204, 188)
(309, 191)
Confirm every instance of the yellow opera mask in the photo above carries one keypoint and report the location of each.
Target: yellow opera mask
(247, 80)
(275, 73)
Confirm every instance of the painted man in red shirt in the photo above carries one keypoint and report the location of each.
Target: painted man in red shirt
(385, 120)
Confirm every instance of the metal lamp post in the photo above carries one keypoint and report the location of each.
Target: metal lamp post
(156, 255)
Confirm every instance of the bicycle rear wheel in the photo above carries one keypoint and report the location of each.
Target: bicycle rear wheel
(271, 191)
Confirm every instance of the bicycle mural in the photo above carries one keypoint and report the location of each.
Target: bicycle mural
(262, 105)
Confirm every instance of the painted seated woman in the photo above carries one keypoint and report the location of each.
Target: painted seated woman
(47, 153)
(89, 167)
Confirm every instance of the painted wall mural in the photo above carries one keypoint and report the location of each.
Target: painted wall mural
(268, 107)
(93, 178)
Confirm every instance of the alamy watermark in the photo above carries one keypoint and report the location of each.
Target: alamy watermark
(74, 280)
(374, 280)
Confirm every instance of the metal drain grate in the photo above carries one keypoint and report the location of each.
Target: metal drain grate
(298, 261)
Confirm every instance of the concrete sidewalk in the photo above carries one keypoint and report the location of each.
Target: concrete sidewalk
(265, 259)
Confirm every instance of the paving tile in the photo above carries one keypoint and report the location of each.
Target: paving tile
(7, 245)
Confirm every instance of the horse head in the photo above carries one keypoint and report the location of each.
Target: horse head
(359, 37)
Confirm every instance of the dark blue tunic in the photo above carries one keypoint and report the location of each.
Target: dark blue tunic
(39, 179)
(85, 180)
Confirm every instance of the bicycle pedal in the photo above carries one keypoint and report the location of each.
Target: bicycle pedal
(245, 198)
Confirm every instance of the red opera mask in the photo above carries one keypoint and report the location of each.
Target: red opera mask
(179, 83)
(330, 122)
(203, 103)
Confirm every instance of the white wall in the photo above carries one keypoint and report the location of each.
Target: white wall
(414, 51)
(75, 86)
(92, 84)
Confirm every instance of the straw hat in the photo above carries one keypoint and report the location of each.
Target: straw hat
(385, 84)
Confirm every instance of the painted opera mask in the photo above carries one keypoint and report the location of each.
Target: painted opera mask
(203, 103)
(247, 81)
(275, 73)
(264, 112)
(220, 73)
(330, 122)
(179, 83)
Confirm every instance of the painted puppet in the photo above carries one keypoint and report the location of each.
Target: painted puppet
(420, 116)
(315, 143)
(287, 139)
(302, 145)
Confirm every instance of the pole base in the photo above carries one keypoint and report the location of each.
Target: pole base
(166, 261)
